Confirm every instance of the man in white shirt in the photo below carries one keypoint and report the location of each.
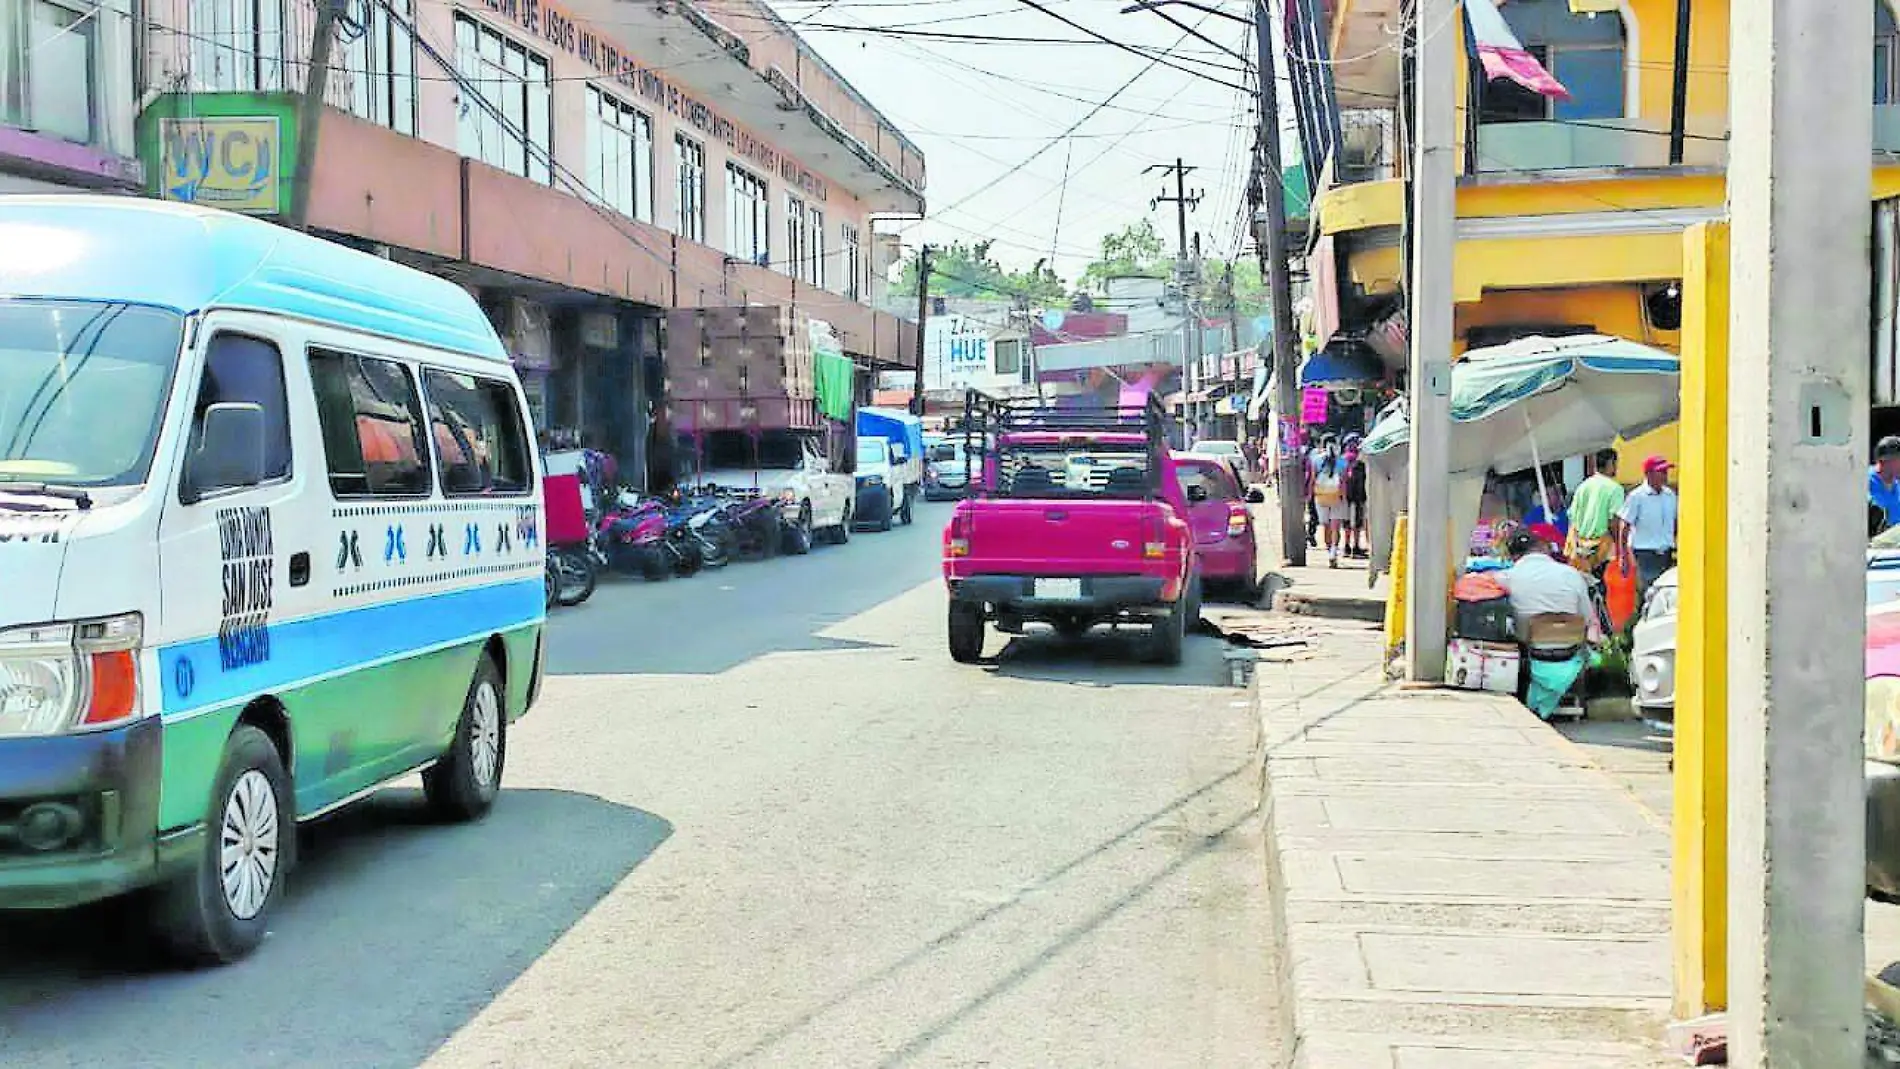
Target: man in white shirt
(1649, 525)
(1539, 583)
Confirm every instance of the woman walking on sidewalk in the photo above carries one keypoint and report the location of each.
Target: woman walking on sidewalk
(1329, 500)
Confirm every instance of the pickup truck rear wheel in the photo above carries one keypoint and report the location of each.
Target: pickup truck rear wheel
(1170, 633)
(966, 632)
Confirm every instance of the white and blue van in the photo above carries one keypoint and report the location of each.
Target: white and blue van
(270, 520)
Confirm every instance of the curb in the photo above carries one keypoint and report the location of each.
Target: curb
(1365, 610)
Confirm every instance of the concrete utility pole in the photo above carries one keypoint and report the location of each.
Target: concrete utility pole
(1183, 273)
(310, 111)
(1270, 194)
(1434, 223)
(1799, 180)
(923, 315)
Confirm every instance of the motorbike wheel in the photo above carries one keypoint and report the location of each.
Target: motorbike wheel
(574, 577)
(553, 585)
(688, 562)
(655, 565)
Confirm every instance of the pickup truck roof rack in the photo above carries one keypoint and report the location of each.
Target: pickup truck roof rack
(984, 415)
(988, 421)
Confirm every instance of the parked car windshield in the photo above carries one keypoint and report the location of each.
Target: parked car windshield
(1211, 476)
(82, 390)
(1072, 471)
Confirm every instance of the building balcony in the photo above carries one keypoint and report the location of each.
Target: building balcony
(1595, 144)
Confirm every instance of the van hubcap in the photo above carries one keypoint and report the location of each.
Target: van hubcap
(484, 737)
(248, 844)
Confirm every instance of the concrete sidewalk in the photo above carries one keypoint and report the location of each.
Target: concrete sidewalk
(1315, 589)
(1457, 886)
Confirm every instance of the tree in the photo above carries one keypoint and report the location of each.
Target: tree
(960, 270)
(1134, 250)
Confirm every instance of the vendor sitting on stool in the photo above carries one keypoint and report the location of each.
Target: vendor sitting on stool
(1555, 618)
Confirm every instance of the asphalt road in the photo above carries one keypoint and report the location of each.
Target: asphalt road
(758, 818)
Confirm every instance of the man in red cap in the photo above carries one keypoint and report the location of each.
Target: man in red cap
(1649, 525)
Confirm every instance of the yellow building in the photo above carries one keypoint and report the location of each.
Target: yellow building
(1570, 212)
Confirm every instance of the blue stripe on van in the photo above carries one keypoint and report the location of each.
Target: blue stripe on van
(293, 652)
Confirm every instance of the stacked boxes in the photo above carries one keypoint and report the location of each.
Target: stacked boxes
(734, 368)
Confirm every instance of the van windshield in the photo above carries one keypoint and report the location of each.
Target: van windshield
(82, 390)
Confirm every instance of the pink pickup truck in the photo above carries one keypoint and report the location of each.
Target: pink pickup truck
(1077, 519)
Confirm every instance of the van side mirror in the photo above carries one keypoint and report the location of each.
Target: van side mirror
(1256, 496)
(230, 450)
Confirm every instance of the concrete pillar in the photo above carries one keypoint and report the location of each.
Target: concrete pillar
(1434, 229)
(1700, 869)
(1799, 182)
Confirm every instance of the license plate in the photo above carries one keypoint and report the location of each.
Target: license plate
(1059, 589)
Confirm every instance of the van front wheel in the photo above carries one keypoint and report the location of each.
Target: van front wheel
(462, 785)
(218, 912)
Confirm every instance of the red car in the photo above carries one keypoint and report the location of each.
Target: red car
(1077, 519)
(1223, 524)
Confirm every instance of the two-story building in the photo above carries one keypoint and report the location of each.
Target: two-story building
(1570, 211)
(581, 165)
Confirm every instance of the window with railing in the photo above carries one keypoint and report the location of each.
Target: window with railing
(797, 242)
(1585, 52)
(748, 216)
(853, 255)
(689, 163)
(237, 46)
(380, 62)
(506, 107)
(815, 247)
(51, 68)
(619, 155)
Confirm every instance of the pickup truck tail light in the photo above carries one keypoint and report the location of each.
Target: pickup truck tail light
(956, 537)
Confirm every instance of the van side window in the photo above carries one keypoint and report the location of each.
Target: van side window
(372, 425)
(240, 369)
(481, 446)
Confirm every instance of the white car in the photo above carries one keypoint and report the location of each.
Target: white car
(817, 501)
(1227, 450)
(1653, 639)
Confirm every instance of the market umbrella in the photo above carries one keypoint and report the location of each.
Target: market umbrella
(1512, 405)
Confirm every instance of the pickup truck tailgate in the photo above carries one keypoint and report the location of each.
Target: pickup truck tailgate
(1056, 538)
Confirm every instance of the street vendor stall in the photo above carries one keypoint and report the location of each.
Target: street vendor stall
(1514, 406)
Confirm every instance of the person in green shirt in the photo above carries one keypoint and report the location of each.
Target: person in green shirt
(1595, 527)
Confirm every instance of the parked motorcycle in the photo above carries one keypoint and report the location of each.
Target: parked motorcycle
(632, 539)
(571, 575)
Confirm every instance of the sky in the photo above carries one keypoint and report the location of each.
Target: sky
(979, 109)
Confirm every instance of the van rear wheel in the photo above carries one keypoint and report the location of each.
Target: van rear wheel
(462, 785)
(219, 910)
